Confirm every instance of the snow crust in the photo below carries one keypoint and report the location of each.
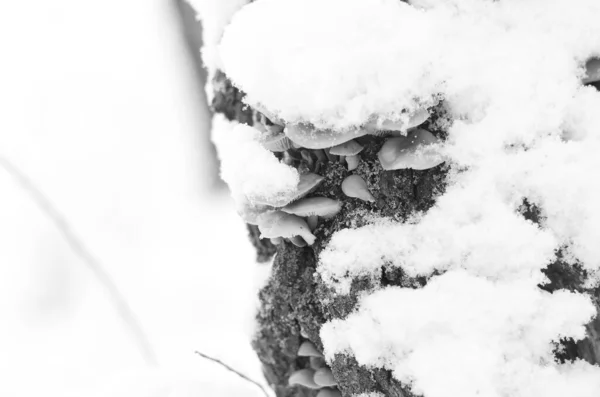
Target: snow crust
(509, 74)
(252, 172)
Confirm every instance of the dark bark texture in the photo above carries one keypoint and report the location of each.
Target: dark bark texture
(295, 303)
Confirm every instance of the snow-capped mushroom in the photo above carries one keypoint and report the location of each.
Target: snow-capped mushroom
(312, 138)
(308, 349)
(306, 184)
(280, 224)
(592, 71)
(276, 143)
(324, 377)
(314, 206)
(410, 121)
(355, 186)
(350, 148)
(411, 151)
(329, 393)
(303, 377)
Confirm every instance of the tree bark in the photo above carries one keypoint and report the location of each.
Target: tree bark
(295, 303)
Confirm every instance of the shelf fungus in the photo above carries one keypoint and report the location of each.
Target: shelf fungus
(407, 122)
(411, 151)
(355, 186)
(303, 377)
(306, 184)
(308, 349)
(312, 138)
(312, 208)
(592, 71)
(280, 224)
(350, 151)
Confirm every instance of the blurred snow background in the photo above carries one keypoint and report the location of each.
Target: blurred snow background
(102, 108)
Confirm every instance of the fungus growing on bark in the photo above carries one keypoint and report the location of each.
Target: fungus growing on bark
(314, 206)
(303, 377)
(350, 151)
(592, 71)
(355, 186)
(308, 349)
(280, 224)
(324, 377)
(306, 184)
(410, 151)
(276, 143)
(312, 138)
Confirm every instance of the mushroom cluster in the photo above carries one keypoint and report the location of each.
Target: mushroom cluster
(407, 147)
(318, 376)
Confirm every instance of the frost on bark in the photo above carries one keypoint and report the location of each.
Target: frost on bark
(296, 303)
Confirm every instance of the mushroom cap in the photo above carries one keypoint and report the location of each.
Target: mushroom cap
(308, 349)
(350, 148)
(410, 151)
(303, 377)
(592, 71)
(319, 206)
(280, 224)
(276, 143)
(312, 138)
(324, 377)
(355, 186)
(352, 162)
(412, 120)
(307, 183)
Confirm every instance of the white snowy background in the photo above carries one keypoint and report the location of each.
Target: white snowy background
(99, 107)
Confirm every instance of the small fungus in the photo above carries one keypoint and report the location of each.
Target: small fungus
(352, 162)
(276, 143)
(411, 151)
(303, 377)
(276, 240)
(298, 241)
(324, 377)
(280, 224)
(592, 71)
(355, 186)
(313, 138)
(314, 206)
(350, 148)
(329, 393)
(308, 349)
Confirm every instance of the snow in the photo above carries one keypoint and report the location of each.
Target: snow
(252, 172)
(509, 74)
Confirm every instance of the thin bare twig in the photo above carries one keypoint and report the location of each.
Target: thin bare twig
(227, 367)
(103, 277)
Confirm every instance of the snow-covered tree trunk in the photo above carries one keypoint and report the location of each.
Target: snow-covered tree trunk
(465, 263)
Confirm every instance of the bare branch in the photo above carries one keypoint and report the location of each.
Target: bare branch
(227, 367)
(117, 298)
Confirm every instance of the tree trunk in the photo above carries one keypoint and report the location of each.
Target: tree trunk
(296, 303)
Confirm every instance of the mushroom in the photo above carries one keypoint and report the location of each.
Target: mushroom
(329, 393)
(276, 143)
(280, 224)
(350, 150)
(307, 183)
(411, 151)
(592, 71)
(355, 186)
(324, 377)
(308, 349)
(313, 138)
(276, 240)
(298, 241)
(312, 208)
(413, 120)
(303, 377)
